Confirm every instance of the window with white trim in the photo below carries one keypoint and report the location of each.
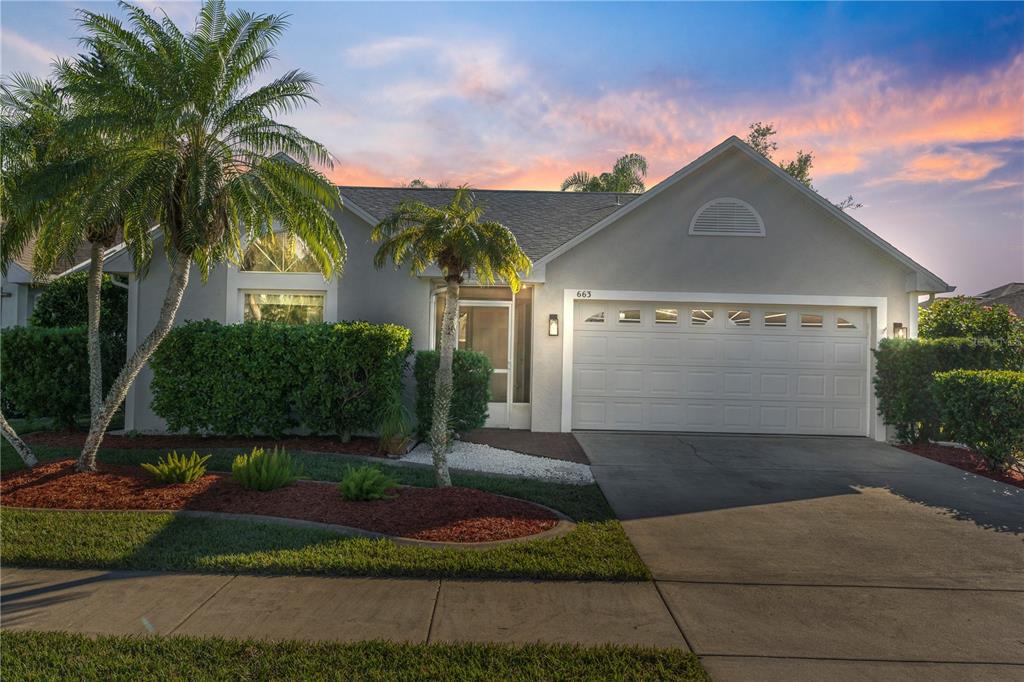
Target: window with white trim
(701, 317)
(727, 217)
(630, 316)
(775, 319)
(283, 306)
(739, 318)
(595, 318)
(666, 316)
(278, 252)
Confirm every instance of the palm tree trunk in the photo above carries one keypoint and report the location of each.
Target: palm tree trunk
(440, 434)
(172, 301)
(95, 360)
(23, 450)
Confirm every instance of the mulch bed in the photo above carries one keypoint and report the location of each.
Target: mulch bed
(76, 439)
(445, 515)
(964, 459)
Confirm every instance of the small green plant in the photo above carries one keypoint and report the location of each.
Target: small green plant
(261, 470)
(175, 468)
(394, 426)
(365, 483)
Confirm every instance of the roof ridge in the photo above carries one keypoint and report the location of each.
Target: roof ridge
(487, 189)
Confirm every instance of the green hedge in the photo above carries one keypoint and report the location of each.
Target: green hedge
(265, 377)
(45, 371)
(903, 377)
(985, 411)
(64, 302)
(472, 389)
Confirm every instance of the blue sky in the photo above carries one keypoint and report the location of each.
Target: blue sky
(917, 109)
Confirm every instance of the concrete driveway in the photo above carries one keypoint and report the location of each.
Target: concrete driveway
(823, 558)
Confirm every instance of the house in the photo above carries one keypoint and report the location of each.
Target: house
(19, 288)
(1010, 294)
(728, 298)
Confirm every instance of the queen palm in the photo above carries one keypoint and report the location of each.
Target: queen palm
(455, 239)
(627, 175)
(199, 153)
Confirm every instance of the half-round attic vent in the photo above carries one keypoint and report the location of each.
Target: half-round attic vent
(727, 217)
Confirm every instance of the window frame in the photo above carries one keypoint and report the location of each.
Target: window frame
(710, 322)
(242, 293)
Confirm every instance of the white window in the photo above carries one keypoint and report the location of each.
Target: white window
(278, 252)
(727, 217)
(666, 316)
(843, 323)
(775, 319)
(595, 318)
(739, 318)
(631, 316)
(811, 321)
(701, 317)
(280, 306)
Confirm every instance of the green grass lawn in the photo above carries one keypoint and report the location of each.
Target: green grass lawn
(49, 656)
(597, 549)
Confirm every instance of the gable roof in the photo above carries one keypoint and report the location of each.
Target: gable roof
(541, 221)
(81, 256)
(925, 280)
(1007, 289)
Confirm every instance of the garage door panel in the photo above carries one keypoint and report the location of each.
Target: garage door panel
(721, 376)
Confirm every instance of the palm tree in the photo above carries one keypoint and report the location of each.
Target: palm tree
(454, 238)
(626, 176)
(198, 153)
(36, 117)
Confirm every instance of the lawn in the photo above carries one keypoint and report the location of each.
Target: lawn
(46, 656)
(597, 549)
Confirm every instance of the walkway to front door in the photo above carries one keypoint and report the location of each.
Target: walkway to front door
(822, 558)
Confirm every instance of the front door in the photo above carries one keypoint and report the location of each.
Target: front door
(484, 327)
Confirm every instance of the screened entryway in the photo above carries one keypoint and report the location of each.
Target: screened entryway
(497, 323)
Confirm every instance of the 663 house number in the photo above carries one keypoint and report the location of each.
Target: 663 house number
(584, 293)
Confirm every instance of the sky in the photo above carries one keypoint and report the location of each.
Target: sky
(916, 109)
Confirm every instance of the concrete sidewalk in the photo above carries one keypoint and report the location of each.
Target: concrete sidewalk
(339, 609)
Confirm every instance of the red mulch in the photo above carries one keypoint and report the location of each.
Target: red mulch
(964, 459)
(76, 439)
(448, 515)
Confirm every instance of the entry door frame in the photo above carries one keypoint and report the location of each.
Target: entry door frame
(498, 414)
(877, 308)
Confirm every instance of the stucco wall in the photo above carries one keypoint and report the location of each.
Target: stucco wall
(364, 293)
(805, 251)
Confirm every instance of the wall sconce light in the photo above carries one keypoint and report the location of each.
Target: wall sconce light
(898, 330)
(553, 324)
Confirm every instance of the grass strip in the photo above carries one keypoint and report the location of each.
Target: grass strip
(48, 656)
(164, 542)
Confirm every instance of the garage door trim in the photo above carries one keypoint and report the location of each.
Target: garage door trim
(875, 304)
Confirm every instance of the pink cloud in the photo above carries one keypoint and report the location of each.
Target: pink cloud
(940, 167)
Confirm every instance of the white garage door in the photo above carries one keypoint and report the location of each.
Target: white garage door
(713, 367)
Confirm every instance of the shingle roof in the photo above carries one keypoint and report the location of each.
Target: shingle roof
(24, 259)
(541, 221)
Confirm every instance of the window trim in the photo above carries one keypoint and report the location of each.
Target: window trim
(820, 316)
(657, 321)
(242, 292)
(708, 322)
(639, 319)
(764, 319)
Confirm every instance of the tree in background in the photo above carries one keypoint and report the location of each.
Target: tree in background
(458, 241)
(199, 151)
(420, 183)
(961, 316)
(64, 302)
(761, 138)
(626, 176)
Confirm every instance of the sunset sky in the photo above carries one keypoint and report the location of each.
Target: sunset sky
(915, 109)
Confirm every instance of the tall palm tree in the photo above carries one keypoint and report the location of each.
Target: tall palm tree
(199, 152)
(627, 175)
(459, 242)
(35, 117)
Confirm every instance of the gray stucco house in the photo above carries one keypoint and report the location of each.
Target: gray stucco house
(728, 298)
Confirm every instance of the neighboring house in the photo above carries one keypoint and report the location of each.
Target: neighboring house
(19, 288)
(1010, 294)
(727, 298)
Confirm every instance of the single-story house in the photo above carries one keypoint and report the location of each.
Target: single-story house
(728, 298)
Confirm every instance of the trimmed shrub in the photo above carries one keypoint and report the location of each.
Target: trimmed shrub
(175, 468)
(265, 377)
(903, 377)
(261, 470)
(46, 371)
(962, 317)
(984, 410)
(64, 302)
(471, 383)
(365, 483)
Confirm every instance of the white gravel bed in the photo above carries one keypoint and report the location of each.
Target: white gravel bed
(485, 459)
